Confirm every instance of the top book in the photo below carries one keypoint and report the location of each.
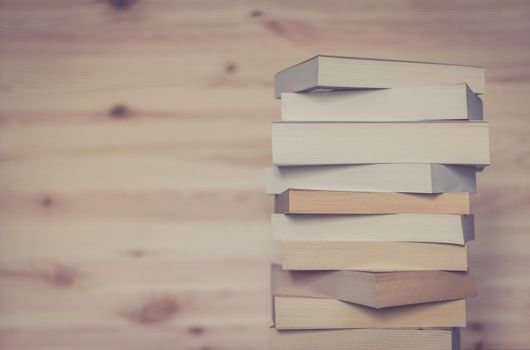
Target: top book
(329, 73)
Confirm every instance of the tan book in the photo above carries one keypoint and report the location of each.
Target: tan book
(412, 178)
(326, 73)
(338, 202)
(446, 102)
(366, 339)
(315, 313)
(427, 228)
(314, 143)
(373, 256)
(374, 289)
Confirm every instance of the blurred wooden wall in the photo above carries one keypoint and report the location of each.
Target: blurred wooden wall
(133, 135)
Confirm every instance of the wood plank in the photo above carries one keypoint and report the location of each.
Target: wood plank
(135, 135)
(196, 336)
(86, 287)
(136, 206)
(183, 241)
(134, 172)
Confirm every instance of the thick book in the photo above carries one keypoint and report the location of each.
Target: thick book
(315, 143)
(412, 178)
(374, 289)
(339, 202)
(316, 313)
(446, 102)
(372, 256)
(366, 339)
(427, 228)
(327, 73)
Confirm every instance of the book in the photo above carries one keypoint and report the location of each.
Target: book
(327, 73)
(412, 178)
(366, 339)
(446, 102)
(338, 202)
(316, 313)
(427, 228)
(372, 256)
(374, 289)
(314, 143)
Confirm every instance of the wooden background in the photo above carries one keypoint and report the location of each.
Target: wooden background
(133, 135)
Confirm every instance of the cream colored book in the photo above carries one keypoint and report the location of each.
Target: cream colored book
(315, 313)
(336, 202)
(446, 102)
(427, 228)
(372, 256)
(326, 73)
(366, 339)
(314, 143)
(374, 289)
(412, 178)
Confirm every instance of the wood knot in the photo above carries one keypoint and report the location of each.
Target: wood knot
(156, 310)
(119, 112)
(255, 13)
(196, 330)
(276, 27)
(46, 201)
(136, 253)
(54, 274)
(230, 68)
(475, 326)
(122, 5)
(62, 276)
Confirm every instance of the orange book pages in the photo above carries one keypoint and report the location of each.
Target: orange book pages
(373, 256)
(374, 289)
(314, 313)
(337, 202)
(365, 339)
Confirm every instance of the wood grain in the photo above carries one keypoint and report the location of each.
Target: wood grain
(132, 140)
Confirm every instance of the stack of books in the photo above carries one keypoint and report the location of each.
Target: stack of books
(374, 163)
